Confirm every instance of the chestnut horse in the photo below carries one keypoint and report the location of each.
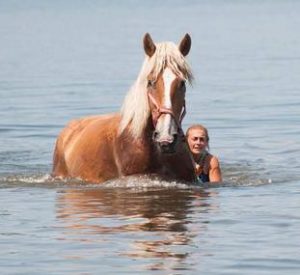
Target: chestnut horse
(146, 136)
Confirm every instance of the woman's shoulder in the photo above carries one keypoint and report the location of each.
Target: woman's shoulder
(215, 174)
(213, 161)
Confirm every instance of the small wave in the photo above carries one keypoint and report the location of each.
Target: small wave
(245, 174)
(241, 182)
(28, 179)
(24, 180)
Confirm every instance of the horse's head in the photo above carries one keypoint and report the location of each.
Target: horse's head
(166, 86)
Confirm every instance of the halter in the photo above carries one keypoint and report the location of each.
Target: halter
(158, 111)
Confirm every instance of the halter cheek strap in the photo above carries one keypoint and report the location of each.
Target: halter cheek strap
(158, 111)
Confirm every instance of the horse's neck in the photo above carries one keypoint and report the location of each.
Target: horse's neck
(135, 155)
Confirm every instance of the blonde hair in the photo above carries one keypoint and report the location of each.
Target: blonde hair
(199, 127)
(135, 110)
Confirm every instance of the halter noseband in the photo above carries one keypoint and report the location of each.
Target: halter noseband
(158, 111)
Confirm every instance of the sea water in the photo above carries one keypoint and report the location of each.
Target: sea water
(61, 60)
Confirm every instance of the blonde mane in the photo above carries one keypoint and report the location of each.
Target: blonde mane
(135, 110)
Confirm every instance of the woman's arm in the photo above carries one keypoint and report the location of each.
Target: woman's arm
(215, 174)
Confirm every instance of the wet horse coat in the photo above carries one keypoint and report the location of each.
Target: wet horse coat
(146, 136)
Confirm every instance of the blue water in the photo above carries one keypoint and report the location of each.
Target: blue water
(61, 60)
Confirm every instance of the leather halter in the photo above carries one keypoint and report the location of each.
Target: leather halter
(158, 111)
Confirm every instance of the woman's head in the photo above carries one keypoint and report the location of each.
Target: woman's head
(197, 138)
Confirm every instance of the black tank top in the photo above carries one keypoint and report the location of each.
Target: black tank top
(203, 177)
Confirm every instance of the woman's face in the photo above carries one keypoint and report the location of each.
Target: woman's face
(197, 141)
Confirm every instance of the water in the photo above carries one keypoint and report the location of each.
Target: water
(61, 60)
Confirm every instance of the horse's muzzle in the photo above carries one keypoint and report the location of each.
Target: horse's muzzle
(167, 145)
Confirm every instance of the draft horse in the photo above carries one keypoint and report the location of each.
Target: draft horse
(145, 137)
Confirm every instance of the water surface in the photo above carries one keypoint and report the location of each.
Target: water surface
(61, 60)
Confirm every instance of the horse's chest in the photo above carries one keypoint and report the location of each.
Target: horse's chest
(134, 158)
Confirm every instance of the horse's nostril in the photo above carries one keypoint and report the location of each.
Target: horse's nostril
(155, 135)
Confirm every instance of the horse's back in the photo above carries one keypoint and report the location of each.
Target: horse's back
(84, 148)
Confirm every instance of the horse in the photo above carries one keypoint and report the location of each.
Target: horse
(145, 136)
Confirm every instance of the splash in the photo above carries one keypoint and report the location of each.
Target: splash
(46, 180)
(141, 182)
(241, 174)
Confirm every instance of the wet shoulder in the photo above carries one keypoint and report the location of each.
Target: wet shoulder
(213, 161)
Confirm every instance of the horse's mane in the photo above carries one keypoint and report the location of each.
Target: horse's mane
(135, 110)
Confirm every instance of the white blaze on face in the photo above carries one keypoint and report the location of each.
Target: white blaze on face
(166, 124)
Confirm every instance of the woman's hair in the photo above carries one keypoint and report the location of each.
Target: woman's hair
(200, 127)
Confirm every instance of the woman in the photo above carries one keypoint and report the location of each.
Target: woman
(207, 166)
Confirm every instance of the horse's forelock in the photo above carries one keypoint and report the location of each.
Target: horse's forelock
(168, 55)
(135, 110)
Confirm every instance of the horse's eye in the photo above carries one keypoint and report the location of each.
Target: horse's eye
(182, 84)
(151, 83)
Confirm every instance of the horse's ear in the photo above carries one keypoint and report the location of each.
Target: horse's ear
(149, 45)
(185, 45)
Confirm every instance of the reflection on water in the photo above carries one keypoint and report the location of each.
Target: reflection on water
(170, 229)
(154, 223)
